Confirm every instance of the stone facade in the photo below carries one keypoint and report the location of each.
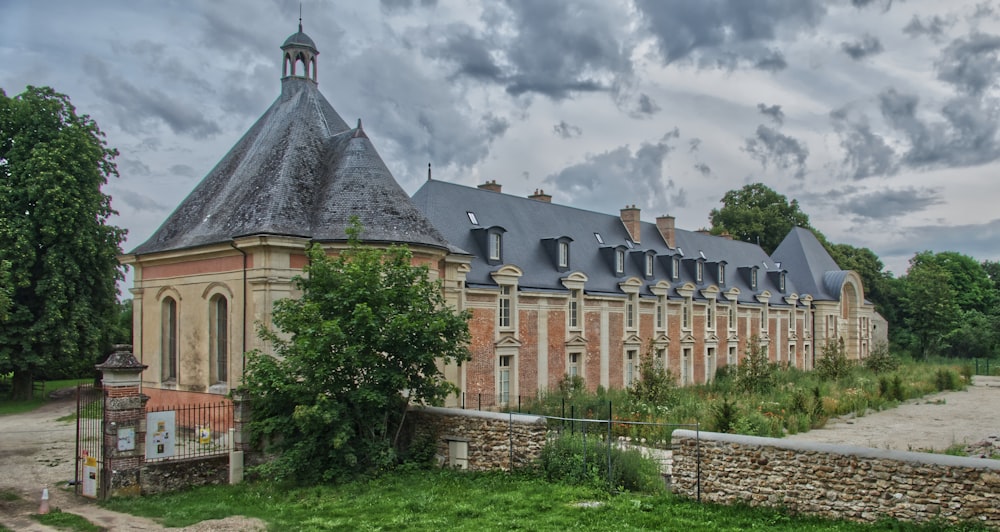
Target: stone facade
(838, 481)
(480, 441)
(178, 475)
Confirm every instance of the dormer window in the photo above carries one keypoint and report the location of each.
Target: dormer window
(564, 254)
(649, 265)
(675, 270)
(753, 278)
(722, 274)
(496, 245)
(620, 261)
(700, 272)
(781, 282)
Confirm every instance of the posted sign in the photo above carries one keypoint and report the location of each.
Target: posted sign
(160, 434)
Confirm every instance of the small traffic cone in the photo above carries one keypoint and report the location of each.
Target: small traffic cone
(43, 508)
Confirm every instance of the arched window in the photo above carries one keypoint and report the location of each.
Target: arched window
(168, 346)
(218, 349)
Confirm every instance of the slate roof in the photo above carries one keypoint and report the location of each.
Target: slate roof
(809, 265)
(300, 170)
(527, 222)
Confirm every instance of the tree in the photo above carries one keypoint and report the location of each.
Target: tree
(758, 215)
(54, 231)
(974, 290)
(362, 343)
(930, 305)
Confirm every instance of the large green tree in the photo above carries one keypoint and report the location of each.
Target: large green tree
(363, 342)
(758, 215)
(54, 232)
(930, 304)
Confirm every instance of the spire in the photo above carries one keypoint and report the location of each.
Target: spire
(300, 17)
(428, 171)
(359, 133)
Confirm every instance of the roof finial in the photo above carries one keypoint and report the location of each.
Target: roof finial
(300, 17)
(428, 171)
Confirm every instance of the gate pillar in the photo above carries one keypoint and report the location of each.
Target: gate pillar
(124, 423)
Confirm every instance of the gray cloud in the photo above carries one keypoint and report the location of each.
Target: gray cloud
(647, 106)
(618, 175)
(566, 131)
(703, 169)
(133, 167)
(976, 240)
(182, 170)
(771, 147)
(971, 65)
(524, 51)
(860, 49)
(694, 144)
(405, 5)
(865, 152)
(888, 204)
(934, 27)
(135, 107)
(774, 112)
(139, 202)
(727, 33)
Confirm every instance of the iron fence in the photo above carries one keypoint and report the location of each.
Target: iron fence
(192, 431)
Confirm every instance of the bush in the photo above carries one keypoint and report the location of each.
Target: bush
(881, 360)
(579, 459)
(833, 363)
(726, 415)
(946, 379)
(757, 374)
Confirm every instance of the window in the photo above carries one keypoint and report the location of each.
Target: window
(496, 243)
(763, 319)
(218, 327)
(700, 272)
(732, 360)
(472, 217)
(732, 316)
(661, 312)
(791, 355)
(661, 358)
(600, 239)
(169, 339)
(564, 254)
(649, 265)
(504, 307)
(574, 309)
(710, 364)
(504, 379)
(710, 315)
(574, 365)
(753, 279)
(675, 268)
(781, 282)
(630, 311)
(791, 319)
(722, 274)
(686, 314)
(687, 369)
(631, 367)
(619, 261)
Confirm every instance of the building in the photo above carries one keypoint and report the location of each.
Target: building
(552, 290)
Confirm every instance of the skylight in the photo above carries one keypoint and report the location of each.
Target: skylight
(629, 243)
(472, 218)
(600, 239)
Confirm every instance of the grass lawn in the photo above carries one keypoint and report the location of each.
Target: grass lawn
(446, 500)
(7, 406)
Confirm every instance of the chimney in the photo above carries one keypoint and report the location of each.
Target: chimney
(492, 186)
(630, 217)
(665, 224)
(540, 195)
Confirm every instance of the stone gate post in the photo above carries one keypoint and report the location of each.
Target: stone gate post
(124, 423)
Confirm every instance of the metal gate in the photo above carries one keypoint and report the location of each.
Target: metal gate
(89, 478)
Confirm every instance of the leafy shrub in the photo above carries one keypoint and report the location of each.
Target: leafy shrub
(946, 379)
(579, 459)
(656, 385)
(757, 374)
(833, 363)
(881, 360)
(571, 386)
(726, 415)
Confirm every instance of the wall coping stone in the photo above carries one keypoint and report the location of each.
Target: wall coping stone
(496, 416)
(846, 450)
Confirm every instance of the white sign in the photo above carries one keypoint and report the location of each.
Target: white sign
(126, 439)
(160, 434)
(90, 477)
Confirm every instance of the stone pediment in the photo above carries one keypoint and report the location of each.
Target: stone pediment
(687, 338)
(576, 341)
(633, 339)
(507, 341)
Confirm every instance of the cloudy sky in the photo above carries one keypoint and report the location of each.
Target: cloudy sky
(879, 116)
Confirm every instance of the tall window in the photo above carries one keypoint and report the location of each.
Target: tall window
(732, 316)
(710, 364)
(504, 379)
(686, 314)
(732, 360)
(753, 279)
(631, 367)
(496, 243)
(710, 315)
(722, 274)
(504, 307)
(218, 327)
(764, 319)
(781, 282)
(791, 355)
(619, 261)
(630, 311)
(687, 366)
(676, 268)
(791, 319)
(564, 254)
(574, 364)
(649, 265)
(700, 272)
(574, 309)
(661, 312)
(169, 339)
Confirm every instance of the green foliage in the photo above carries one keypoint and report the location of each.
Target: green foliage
(946, 379)
(758, 215)
(66, 521)
(582, 459)
(881, 360)
(756, 373)
(361, 344)
(60, 253)
(726, 415)
(571, 386)
(656, 384)
(833, 362)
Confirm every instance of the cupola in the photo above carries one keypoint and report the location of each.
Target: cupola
(299, 59)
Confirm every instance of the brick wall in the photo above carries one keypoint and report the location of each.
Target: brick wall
(840, 481)
(490, 436)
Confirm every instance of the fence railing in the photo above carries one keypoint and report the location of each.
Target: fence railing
(199, 430)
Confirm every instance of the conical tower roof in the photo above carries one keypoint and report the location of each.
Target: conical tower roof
(299, 171)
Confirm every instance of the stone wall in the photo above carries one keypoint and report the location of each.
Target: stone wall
(839, 481)
(487, 437)
(177, 475)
